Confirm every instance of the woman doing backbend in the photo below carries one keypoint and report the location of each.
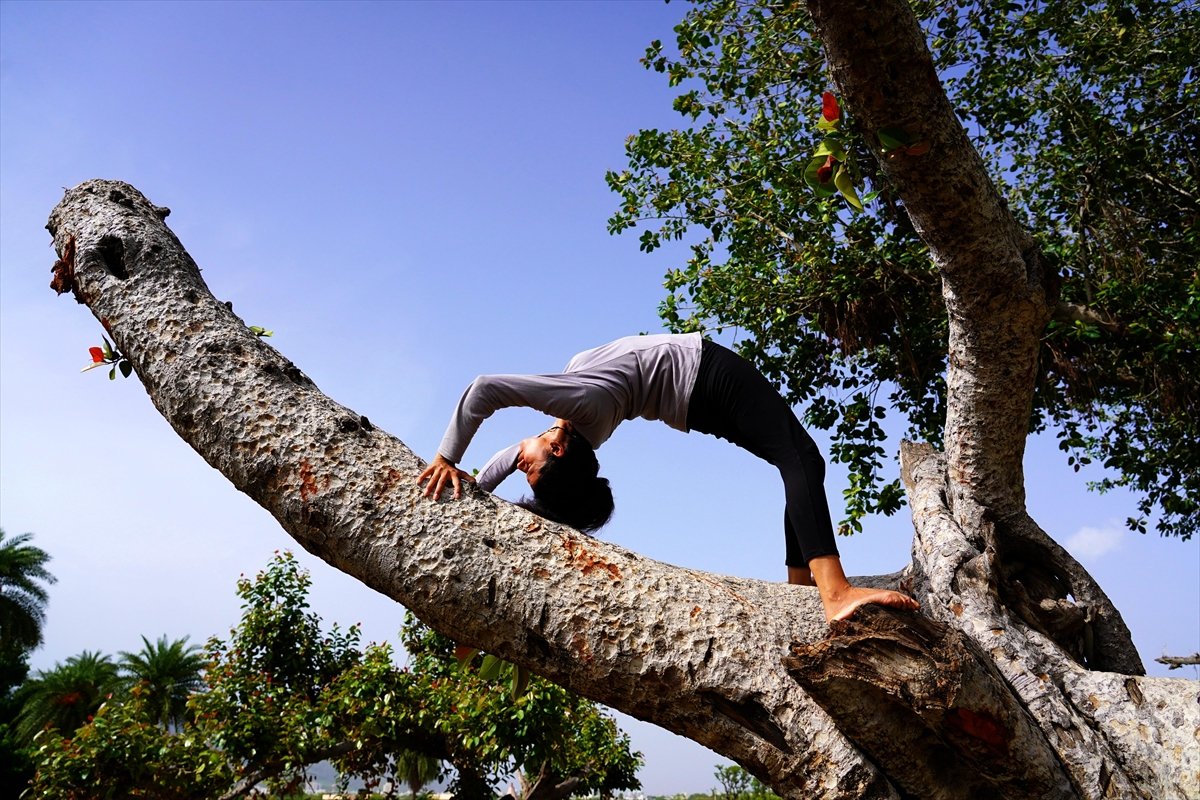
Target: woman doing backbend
(690, 384)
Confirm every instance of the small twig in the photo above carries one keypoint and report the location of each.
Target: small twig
(1073, 312)
(1175, 662)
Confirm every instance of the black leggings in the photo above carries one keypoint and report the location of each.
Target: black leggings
(732, 400)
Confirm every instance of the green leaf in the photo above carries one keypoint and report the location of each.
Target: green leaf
(490, 669)
(845, 185)
(112, 374)
(831, 147)
(893, 138)
(125, 367)
(520, 681)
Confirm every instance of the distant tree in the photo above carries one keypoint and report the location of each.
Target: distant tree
(119, 755)
(66, 697)
(558, 742)
(416, 770)
(735, 783)
(270, 682)
(23, 598)
(281, 694)
(168, 672)
(16, 767)
(23, 594)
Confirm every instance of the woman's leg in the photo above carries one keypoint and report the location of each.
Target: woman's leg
(734, 401)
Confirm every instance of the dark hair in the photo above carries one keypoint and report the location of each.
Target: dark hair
(568, 489)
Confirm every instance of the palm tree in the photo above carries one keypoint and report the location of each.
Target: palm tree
(22, 594)
(166, 674)
(417, 770)
(67, 696)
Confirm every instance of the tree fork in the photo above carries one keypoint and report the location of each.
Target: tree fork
(958, 570)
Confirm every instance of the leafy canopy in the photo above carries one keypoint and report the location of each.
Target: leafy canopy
(281, 693)
(1087, 117)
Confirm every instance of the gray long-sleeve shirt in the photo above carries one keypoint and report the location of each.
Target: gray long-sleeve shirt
(638, 376)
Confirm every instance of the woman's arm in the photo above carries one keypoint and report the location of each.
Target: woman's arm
(563, 396)
(557, 395)
(499, 467)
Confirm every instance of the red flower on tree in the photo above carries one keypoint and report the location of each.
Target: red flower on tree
(829, 107)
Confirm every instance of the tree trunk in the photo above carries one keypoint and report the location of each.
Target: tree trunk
(992, 693)
(547, 785)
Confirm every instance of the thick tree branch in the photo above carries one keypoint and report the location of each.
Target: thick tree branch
(686, 650)
(997, 294)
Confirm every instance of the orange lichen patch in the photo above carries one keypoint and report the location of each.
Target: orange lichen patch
(64, 271)
(981, 727)
(533, 526)
(695, 611)
(579, 645)
(308, 483)
(389, 481)
(956, 609)
(588, 562)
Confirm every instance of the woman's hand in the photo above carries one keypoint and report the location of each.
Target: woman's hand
(438, 473)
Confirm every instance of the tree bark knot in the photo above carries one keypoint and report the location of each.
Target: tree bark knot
(64, 272)
(913, 692)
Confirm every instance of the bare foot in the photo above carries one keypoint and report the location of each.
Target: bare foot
(841, 599)
(842, 604)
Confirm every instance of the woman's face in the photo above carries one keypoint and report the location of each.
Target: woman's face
(535, 450)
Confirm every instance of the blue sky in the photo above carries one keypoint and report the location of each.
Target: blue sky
(408, 194)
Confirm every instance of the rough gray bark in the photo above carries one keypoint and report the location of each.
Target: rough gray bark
(999, 578)
(1001, 674)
